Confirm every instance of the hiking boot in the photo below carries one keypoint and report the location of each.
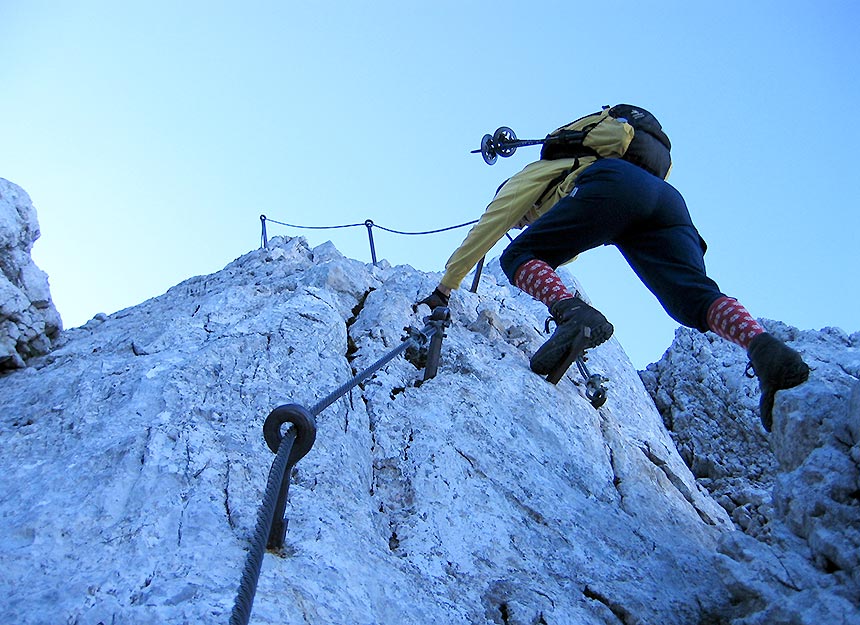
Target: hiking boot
(777, 367)
(570, 315)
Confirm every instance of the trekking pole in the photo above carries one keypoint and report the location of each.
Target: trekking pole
(504, 143)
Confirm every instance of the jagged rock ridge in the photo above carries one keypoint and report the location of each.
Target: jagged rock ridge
(135, 466)
(796, 490)
(29, 322)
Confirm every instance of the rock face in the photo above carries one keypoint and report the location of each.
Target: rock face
(28, 320)
(134, 465)
(795, 491)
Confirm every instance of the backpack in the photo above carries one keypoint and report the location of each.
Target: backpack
(649, 147)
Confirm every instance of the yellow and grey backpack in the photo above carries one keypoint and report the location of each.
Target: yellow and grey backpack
(622, 131)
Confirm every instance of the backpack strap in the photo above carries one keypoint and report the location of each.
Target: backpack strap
(552, 184)
(567, 141)
(566, 144)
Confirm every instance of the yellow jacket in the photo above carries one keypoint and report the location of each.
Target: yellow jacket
(533, 191)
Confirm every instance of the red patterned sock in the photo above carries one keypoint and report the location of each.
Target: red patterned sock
(539, 280)
(730, 320)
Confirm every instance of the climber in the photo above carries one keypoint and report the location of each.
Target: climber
(601, 180)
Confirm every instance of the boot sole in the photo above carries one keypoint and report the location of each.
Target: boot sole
(551, 354)
(793, 378)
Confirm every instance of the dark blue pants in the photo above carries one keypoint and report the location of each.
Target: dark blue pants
(617, 203)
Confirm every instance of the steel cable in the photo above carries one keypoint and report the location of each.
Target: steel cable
(265, 517)
(274, 497)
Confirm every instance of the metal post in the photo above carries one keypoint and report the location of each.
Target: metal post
(264, 240)
(270, 531)
(296, 443)
(369, 224)
(478, 269)
(278, 531)
(440, 319)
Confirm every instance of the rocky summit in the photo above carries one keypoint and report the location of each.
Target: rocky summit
(29, 322)
(134, 466)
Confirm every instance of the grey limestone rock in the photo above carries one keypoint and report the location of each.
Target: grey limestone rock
(134, 465)
(794, 492)
(29, 322)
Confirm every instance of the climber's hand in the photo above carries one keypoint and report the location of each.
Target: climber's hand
(435, 299)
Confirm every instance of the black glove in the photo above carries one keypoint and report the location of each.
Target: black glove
(435, 299)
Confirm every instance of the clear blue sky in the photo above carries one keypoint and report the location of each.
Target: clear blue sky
(152, 135)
